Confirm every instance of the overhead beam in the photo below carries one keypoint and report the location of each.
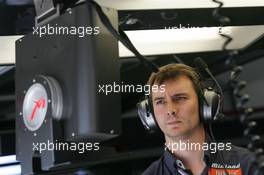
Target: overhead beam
(175, 4)
(166, 41)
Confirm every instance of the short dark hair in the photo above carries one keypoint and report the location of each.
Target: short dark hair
(172, 71)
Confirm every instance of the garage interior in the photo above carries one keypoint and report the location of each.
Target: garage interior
(133, 149)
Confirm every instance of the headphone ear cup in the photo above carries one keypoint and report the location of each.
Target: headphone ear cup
(210, 105)
(146, 115)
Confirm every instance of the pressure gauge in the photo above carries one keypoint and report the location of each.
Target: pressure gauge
(42, 96)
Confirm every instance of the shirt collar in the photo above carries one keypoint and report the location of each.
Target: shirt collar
(173, 162)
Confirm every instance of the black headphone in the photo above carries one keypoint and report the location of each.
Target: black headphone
(209, 108)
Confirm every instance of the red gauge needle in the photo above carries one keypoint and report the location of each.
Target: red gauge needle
(38, 104)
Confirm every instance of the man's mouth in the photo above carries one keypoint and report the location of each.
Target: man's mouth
(174, 122)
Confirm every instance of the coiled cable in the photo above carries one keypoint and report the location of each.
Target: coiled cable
(237, 86)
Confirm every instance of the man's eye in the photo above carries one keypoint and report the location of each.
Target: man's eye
(180, 98)
(160, 102)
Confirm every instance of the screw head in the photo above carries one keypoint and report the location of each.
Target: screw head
(112, 131)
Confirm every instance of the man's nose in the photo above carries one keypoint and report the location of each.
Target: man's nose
(172, 109)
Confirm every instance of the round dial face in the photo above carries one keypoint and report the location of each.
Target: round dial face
(35, 106)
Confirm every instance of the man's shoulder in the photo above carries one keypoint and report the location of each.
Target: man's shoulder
(152, 168)
(244, 157)
(239, 152)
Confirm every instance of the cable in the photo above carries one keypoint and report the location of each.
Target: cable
(177, 59)
(223, 20)
(241, 99)
(121, 36)
(203, 69)
(220, 153)
(237, 86)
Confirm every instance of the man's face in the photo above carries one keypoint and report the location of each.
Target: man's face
(179, 97)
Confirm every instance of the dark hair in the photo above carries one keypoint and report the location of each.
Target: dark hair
(172, 71)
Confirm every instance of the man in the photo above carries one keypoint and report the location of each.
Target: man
(176, 111)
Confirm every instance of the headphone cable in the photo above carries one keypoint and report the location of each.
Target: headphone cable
(218, 152)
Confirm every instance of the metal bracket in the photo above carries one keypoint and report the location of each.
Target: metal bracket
(46, 11)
